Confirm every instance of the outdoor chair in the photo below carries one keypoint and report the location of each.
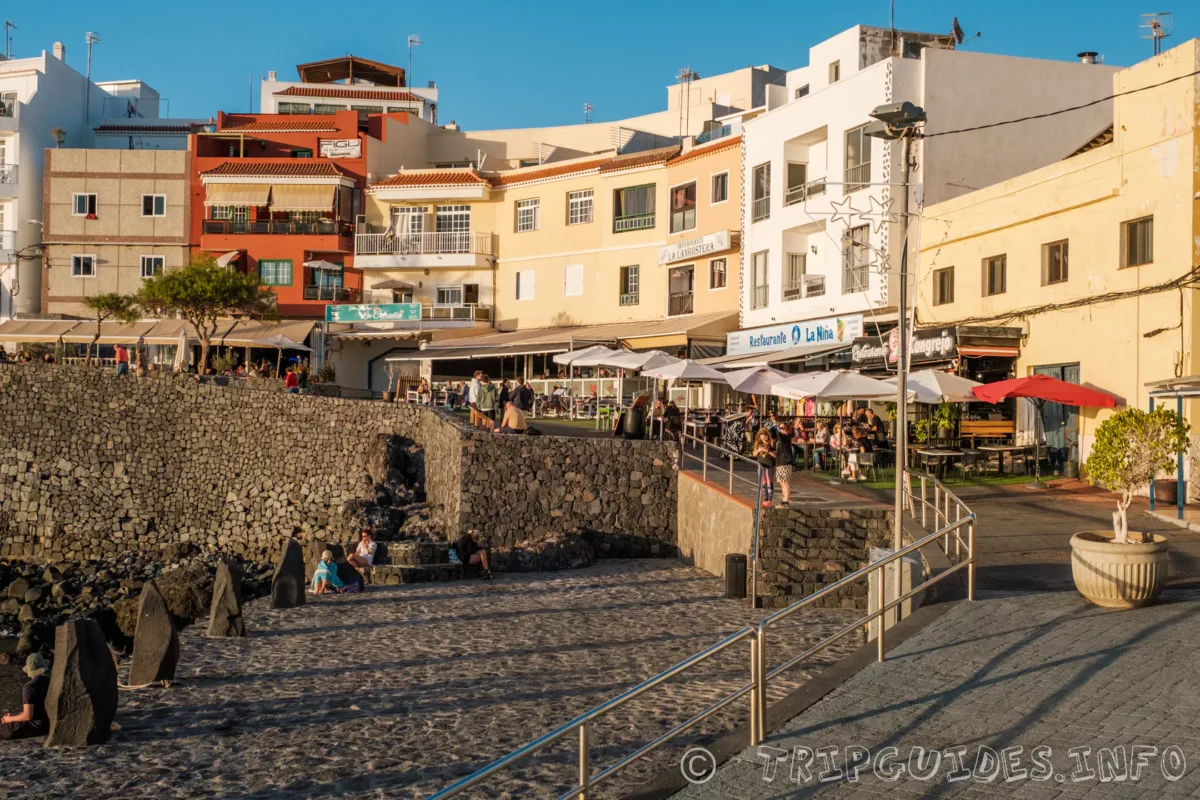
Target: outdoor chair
(872, 462)
(972, 461)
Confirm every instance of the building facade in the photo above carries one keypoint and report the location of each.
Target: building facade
(1091, 259)
(348, 83)
(822, 230)
(112, 219)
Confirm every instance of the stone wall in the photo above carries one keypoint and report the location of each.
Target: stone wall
(803, 550)
(92, 465)
(712, 524)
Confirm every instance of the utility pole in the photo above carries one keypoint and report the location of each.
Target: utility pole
(91, 39)
(902, 368)
(413, 41)
(9, 27)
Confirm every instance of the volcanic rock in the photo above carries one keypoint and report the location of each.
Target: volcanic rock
(288, 584)
(82, 698)
(226, 619)
(155, 643)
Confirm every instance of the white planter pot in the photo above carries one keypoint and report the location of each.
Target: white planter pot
(1115, 575)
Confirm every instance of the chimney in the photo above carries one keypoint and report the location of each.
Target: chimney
(60, 51)
(432, 85)
(271, 75)
(1090, 57)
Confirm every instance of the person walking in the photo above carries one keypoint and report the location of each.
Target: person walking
(302, 377)
(473, 397)
(784, 461)
(764, 453)
(291, 383)
(122, 360)
(522, 396)
(505, 394)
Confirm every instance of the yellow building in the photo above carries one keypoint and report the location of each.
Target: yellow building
(1092, 259)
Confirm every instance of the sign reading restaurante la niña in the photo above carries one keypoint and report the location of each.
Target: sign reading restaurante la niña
(378, 312)
(809, 333)
(694, 248)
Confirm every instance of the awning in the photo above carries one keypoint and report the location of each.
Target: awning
(110, 332)
(228, 258)
(35, 330)
(387, 333)
(394, 284)
(237, 194)
(252, 334)
(434, 354)
(791, 354)
(167, 332)
(302, 197)
(983, 350)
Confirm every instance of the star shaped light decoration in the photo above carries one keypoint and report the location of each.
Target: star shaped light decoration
(844, 210)
(880, 214)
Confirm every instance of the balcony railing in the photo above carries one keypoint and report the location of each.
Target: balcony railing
(463, 312)
(857, 177)
(798, 194)
(807, 286)
(8, 108)
(761, 296)
(635, 223)
(629, 299)
(680, 303)
(405, 244)
(8, 240)
(324, 227)
(761, 208)
(333, 294)
(714, 133)
(8, 173)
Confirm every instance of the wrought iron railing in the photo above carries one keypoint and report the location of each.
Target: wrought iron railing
(634, 223)
(464, 312)
(431, 243)
(325, 227)
(335, 294)
(629, 298)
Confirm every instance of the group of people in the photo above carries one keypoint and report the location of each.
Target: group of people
(844, 439)
(485, 400)
(468, 549)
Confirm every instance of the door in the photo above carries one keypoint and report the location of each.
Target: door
(1059, 422)
(471, 294)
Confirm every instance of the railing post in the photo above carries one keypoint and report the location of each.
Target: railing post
(755, 680)
(879, 607)
(761, 686)
(957, 534)
(971, 560)
(937, 504)
(731, 473)
(924, 502)
(585, 759)
(704, 469)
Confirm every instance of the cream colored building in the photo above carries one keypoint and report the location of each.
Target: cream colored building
(1092, 258)
(112, 219)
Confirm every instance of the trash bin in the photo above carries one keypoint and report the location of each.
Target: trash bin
(635, 424)
(735, 576)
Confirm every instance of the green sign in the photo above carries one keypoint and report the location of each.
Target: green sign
(378, 312)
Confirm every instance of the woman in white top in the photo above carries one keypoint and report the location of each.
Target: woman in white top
(364, 554)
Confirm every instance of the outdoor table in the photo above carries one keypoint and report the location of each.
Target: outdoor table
(940, 458)
(692, 428)
(1001, 450)
(604, 414)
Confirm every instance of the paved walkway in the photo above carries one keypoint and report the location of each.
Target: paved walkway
(400, 691)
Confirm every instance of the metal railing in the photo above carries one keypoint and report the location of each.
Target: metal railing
(713, 134)
(762, 296)
(337, 294)
(635, 223)
(807, 286)
(463, 312)
(761, 208)
(431, 243)
(798, 194)
(325, 227)
(8, 173)
(8, 240)
(857, 177)
(629, 298)
(944, 501)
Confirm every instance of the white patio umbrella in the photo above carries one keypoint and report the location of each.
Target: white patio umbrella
(281, 343)
(687, 371)
(833, 386)
(596, 358)
(932, 387)
(651, 359)
(755, 380)
(570, 357)
(181, 351)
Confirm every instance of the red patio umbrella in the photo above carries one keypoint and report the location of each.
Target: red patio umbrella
(1042, 389)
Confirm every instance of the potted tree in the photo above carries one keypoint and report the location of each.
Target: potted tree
(946, 419)
(1119, 568)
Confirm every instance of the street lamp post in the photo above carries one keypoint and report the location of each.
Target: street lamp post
(900, 121)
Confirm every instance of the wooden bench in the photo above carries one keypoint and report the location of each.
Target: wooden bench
(975, 429)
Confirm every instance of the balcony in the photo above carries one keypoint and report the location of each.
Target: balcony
(761, 209)
(798, 194)
(332, 294)
(712, 134)
(629, 299)
(8, 241)
(8, 173)
(436, 243)
(858, 177)
(761, 296)
(808, 286)
(680, 303)
(324, 227)
(9, 115)
(463, 312)
(638, 222)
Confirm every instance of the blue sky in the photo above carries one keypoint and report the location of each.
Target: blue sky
(532, 63)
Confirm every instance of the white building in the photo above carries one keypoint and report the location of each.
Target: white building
(810, 253)
(348, 82)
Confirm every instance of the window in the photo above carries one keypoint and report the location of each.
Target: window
(911, 49)
(275, 272)
(84, 205)
(720, 189)
(801, 91)
(573, 280)
(151, 266)
(83, 266)
(629, 286)
(797, 178)
(154, 205)
(525, 285)
(681, 290)
(452, 226)
(302, 152)
(449, 296)
(527, 214)
(762, 192)
(324, 108)
(1137, 242)
(995, 275)
(835, 72)
(1054, 262)
(683, 207)
(295, 108)
(758, 273)
(856, 260)
(633, 208)
(858, 159)
(793, 278)
(718, 273)
(579, 207)
(943, 286)
(409, 219)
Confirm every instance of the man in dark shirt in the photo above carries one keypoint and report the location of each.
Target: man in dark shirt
(522, 396)
(783, 461)
(32, 721)
(877, 426)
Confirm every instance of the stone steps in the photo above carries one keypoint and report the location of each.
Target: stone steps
(395, 574)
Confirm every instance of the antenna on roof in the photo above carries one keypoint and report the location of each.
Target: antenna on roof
(8, 28)
(957, 32)
(1158, 27)
(588, 108)
(413, 41)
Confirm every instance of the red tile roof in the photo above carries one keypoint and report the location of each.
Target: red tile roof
(292, 168)
(646, 158)
(154, 130)
(290, 125)
(348, 94)
(432, 177)
(707, 149)
(531, 174)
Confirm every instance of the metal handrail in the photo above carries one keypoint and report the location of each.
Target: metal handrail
(582, 723)
(964, 518)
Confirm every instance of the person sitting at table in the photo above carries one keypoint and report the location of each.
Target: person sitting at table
(673, 419)
(843, 441)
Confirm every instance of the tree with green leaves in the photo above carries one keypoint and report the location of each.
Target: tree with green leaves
(119, 307)
(203, 293)
(1132, 447)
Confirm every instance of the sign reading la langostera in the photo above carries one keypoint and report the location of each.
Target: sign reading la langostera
(378, 312)
(694, 248)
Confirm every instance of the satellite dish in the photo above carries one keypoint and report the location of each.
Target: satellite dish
(957, 30)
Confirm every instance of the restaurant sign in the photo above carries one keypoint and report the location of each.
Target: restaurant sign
(810, 333)
(378, 312)
(694, 248)
(340, 148)
(925, 347)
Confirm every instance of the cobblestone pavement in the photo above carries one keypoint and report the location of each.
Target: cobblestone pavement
(397, 692)
(1010, 670)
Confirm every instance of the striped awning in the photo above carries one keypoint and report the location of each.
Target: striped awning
(237, 194)
(302, 197)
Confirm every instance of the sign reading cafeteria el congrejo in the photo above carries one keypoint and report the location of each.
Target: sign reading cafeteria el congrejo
(379, 312)
(694, 248)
